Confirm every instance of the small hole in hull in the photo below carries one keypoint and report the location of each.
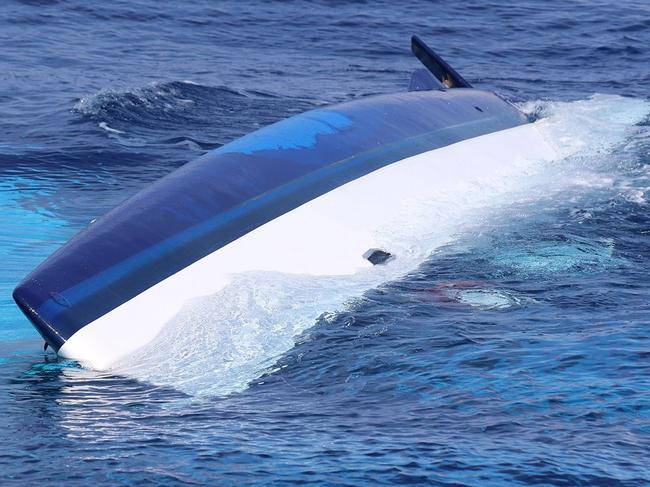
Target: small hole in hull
(377, 256)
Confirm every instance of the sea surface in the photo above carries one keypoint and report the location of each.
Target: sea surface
(517, 353)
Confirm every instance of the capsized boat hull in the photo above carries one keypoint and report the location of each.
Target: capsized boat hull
(307, 195)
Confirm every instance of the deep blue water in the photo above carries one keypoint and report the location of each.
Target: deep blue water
(518, 353)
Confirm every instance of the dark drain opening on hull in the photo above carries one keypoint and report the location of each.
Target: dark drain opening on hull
(377, 256)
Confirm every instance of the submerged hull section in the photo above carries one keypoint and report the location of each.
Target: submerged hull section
(305, 195)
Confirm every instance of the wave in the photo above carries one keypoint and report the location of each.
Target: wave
(164, 111)
(157, 101)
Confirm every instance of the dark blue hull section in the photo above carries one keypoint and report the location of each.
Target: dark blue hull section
(228, 192)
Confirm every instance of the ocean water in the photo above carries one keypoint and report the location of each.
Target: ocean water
(516, 353)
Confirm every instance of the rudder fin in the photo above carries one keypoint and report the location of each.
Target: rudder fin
(436, 65)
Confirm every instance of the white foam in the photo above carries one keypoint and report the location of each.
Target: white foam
(110, 130)
(489, 299)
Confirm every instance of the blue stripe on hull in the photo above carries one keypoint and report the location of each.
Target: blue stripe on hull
(227, 193)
